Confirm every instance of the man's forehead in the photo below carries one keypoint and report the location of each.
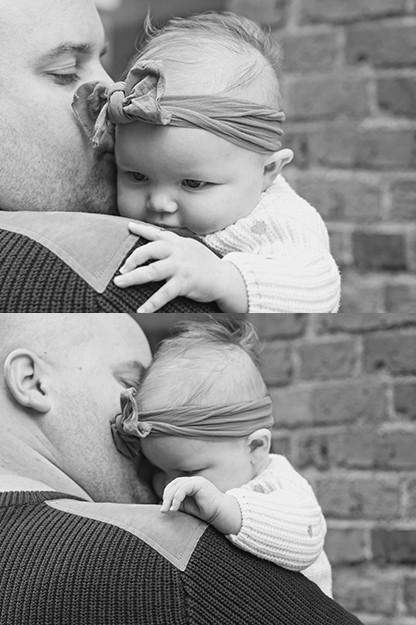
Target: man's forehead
(47, 24)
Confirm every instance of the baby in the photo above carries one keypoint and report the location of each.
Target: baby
(203, 417)
(198, 125)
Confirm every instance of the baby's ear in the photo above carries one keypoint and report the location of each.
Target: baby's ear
(259, 444)
(274, 165)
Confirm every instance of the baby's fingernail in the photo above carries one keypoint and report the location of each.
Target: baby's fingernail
(119, 280)
(122, 269)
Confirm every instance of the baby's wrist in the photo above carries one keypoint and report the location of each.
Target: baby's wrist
(229, 519)
(233, 296)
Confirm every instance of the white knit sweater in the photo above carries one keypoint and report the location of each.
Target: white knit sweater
(282, 251)
(282, 522)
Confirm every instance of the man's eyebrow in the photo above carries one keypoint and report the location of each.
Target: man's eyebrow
(71, 48)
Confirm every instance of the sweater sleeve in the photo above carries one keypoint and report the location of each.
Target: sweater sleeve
(281, 519)
(282, 251)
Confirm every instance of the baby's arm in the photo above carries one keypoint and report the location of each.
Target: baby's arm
(284, 523)
(282, 251)
(198, 496)
(188, 267)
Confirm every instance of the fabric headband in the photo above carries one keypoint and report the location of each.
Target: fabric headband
(140, 98)
(235, 420)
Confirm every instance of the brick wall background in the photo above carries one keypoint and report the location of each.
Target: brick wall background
(350, 100)
(344, 395)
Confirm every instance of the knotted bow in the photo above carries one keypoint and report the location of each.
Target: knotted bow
(234, 420)
(141, 98)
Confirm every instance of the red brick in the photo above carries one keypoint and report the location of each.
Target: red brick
(279, 326)
(276, 364)
(297, 140)
(360, 147)
(371, 450)
(382, 45)
(326, 360)
(281, 445)
(269, 12)
(405, 399)
(401, 297)
(379, 251)
(394, 546)
(364, 323)
(403, 195)
(364, 590)
(345, 197)
(346, 546)
(350, 10)
(291, 406)
(410, 594)
(397, 95)
(410, 498)
(358, 498)
(361, 294)
(309, 51)
(316, 450)
(392, 351)
(326, 97)
(340, 243)
(363, 402)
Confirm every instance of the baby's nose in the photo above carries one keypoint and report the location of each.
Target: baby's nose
(162, 203)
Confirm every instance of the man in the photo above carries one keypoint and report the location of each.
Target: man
(69, 553)
(53, 262)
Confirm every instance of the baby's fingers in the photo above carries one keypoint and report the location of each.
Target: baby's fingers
(173, 496)
(151, 251)
(155, 272)
(149, 232)
(165, 294)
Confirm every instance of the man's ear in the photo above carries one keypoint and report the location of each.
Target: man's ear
(24, 375)
(259, 444)
(274, 165)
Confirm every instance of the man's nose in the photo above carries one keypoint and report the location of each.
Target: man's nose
(162, 203)
(97, 72)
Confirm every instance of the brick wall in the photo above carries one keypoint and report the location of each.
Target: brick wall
(344, 395)
(350, 100)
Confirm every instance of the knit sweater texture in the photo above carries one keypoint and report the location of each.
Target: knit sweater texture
(46, 259)
(60, 568)
(283, 522)
(282, 251)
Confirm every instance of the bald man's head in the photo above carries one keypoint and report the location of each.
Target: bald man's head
(63, 377)
(53, 335)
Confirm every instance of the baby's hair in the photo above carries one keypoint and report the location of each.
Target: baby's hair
(258, 51)
(205, 363)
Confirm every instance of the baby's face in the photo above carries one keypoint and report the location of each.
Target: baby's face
(185, 177)
(224, 462)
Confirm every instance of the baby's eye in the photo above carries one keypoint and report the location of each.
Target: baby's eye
(194, 184)
(136, 176)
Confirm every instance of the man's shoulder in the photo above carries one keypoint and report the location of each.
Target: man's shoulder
(174, 535)
(92, 245)
(66, 262)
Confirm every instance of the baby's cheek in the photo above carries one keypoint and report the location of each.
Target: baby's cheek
(131, 203)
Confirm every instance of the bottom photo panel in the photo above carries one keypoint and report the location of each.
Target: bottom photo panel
(208, 469)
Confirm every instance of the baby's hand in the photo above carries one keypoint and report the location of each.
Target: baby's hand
(198, 496)
(189, 268)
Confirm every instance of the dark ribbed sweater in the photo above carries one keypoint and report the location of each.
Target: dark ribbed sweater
(65, 262)
(60, 567)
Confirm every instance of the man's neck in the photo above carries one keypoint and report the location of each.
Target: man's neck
(11, 480)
